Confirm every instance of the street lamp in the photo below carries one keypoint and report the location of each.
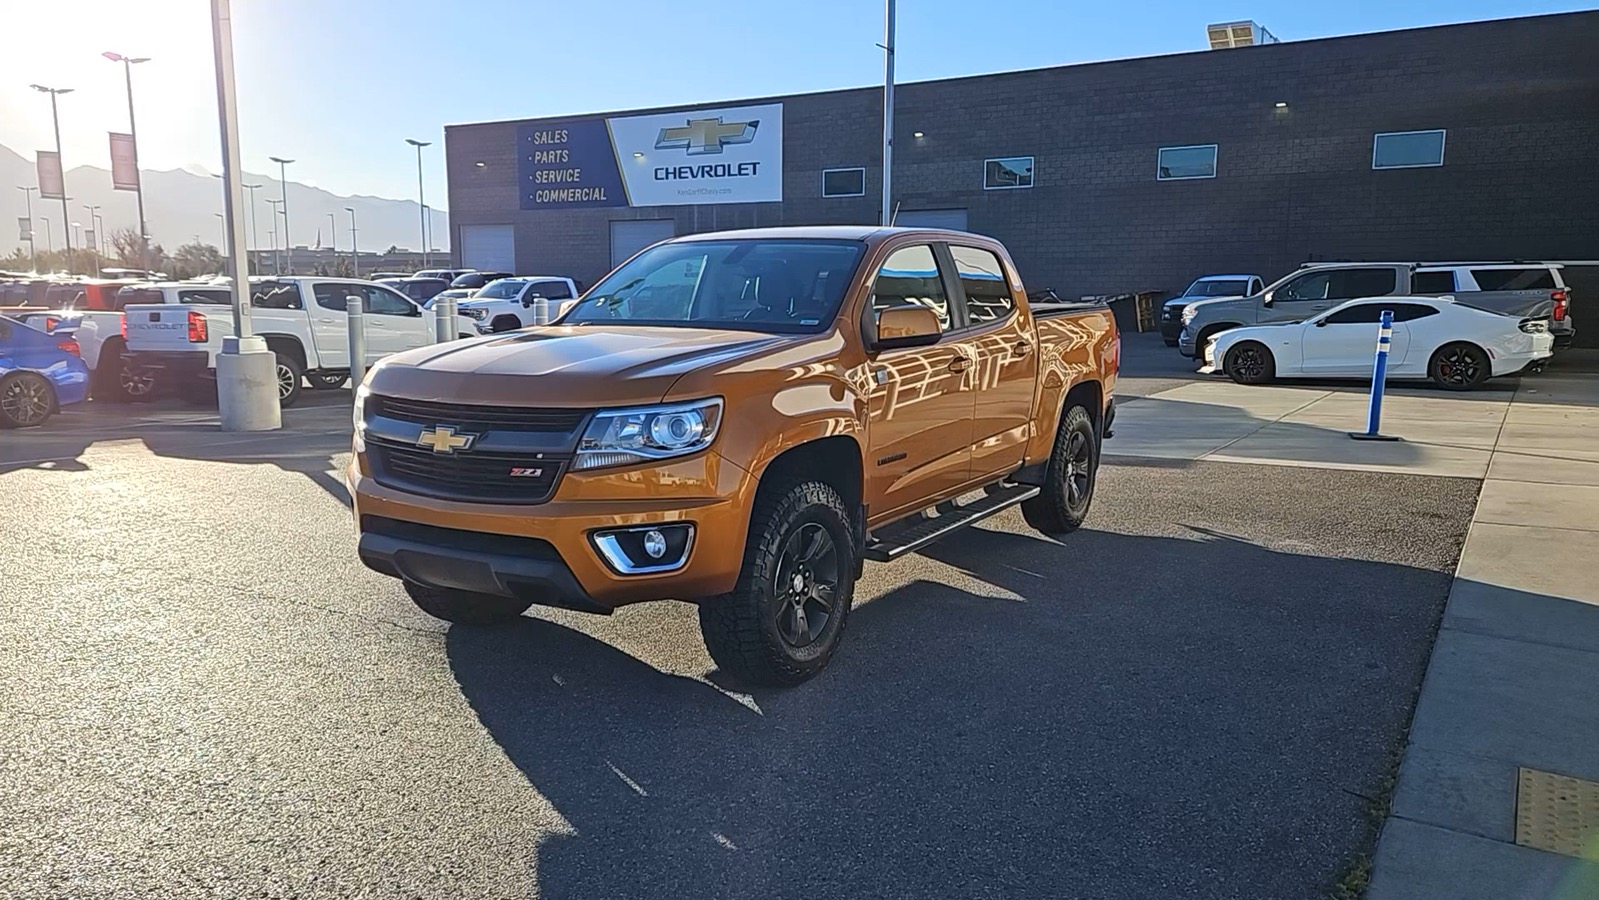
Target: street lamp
(94, 213)
(333, 237)
(420, 201)
(255, 226)
(55, 117)
(355, 258)
(283, 197)
(133, 132)
(277, 261)
(49, 241)
(33, 255)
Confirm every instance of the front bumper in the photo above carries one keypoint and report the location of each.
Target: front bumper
(1185, 343)
(545, 553)
(1171, 323)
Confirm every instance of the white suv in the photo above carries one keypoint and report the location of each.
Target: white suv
(511, 303)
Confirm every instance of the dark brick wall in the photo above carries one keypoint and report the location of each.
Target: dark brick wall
(1519, 97)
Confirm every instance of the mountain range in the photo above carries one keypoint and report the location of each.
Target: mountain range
(181, 204)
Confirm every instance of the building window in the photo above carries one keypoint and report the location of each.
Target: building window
(1407, 149)
(843, 182)
(1007, 173)
(1176, 163)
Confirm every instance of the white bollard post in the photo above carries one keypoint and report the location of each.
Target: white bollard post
(357, 326)
(541, 311)
(443, 322)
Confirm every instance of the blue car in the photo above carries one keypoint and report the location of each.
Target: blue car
(39, 374)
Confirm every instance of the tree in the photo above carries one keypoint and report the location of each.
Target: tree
(129, 247)
(195, 259)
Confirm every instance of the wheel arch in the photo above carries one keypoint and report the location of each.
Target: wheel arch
(288, 345)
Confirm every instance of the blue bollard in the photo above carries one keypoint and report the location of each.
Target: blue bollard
(1379, 375)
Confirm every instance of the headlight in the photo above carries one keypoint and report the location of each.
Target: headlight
(617, 437)
(1189, 312)
(474, 312)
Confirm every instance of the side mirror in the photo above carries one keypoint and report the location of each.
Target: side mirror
(528, 300)
(1321, 323)
(1266, 300)
(907, 326)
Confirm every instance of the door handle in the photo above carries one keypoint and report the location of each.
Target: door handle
(328, 321)
(1021, 349)
(959, 364)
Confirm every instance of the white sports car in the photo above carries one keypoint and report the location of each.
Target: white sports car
(1457, 346)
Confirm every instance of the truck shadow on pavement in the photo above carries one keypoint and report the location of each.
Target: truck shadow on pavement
(1126, 716)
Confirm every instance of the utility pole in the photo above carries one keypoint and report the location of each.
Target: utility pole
(355, 258)
(55, 117)
(133, 132)
(33, 254)
(888, 111)
(420, 201)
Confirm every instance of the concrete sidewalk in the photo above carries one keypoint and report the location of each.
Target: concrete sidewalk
(1512, 690)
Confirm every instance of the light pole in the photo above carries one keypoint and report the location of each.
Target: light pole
(33, 254)
(333, 237)
(55, 117)
(277, 261)
(94, 213)
(77, 231)
(283, 197)
(222, 222)
(254, 237)
(420, 201)
(355, 258)
(49, 241)
(133, 132)
(888, 111)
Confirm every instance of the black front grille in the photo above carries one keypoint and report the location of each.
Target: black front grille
(475, 475)
(478, 417)
(457, 539)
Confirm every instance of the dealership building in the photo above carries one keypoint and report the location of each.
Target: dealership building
(1474, 141)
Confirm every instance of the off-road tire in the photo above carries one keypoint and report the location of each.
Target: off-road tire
(465, 607)
(1059, 508)
(1250, 362)
(118, 380)
(740, 628)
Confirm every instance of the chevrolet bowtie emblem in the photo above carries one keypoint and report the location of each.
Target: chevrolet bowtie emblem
(701, 136)
(443, 439)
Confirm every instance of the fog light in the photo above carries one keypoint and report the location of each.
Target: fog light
(645, 549)
(655, 544)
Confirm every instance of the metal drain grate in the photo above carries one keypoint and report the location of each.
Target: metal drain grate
(1557, 813)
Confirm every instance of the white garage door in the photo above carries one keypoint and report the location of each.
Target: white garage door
(630, 236)
(488, 248)
(953, 219)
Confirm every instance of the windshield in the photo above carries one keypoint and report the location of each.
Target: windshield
(1231, 288)
(504, 289)
(775, 286)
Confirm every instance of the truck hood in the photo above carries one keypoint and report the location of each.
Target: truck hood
(565, 365)
(1213, 301)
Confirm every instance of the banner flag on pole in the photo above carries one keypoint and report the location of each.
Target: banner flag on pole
(51, 185)
(124, 171)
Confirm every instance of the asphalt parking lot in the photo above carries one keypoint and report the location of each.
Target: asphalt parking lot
(1203, 694)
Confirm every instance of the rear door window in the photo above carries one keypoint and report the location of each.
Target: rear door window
(1352, 284)
(275, 295)
(1440, 281)
(1514, 279)
(982, 278)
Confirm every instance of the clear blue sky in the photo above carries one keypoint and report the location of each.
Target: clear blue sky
(339, 84)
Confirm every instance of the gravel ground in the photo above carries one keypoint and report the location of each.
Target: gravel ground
(203, 694)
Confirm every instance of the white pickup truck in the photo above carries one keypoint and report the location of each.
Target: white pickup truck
(302, 318)
(510, 303)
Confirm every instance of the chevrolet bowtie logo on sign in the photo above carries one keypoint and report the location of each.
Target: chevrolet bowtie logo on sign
(701, 136)
(443, 439)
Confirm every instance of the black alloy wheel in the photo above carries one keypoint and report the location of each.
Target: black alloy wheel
(1459, 366)
(1248, 363)
(806, 584)
(1079, 468)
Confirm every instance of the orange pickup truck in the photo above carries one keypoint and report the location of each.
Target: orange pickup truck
(737, 419)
